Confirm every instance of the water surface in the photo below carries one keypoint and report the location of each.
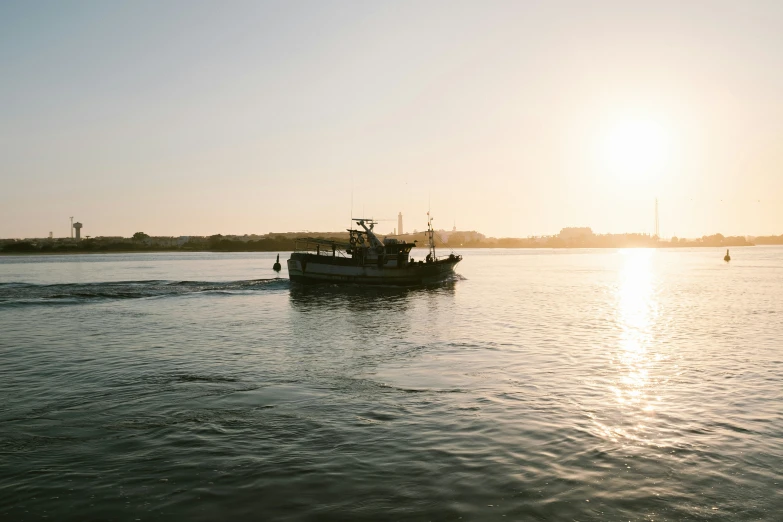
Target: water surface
(538, 385)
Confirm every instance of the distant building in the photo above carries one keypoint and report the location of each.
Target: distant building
(78, 228)
(458, 237)
(399, 223)
(576, 233)
(472, 235)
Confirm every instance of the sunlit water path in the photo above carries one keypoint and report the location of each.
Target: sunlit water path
(539, 385)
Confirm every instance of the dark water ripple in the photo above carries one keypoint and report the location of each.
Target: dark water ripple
(21, 294)
(540, 386)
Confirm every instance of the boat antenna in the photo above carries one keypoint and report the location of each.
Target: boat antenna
(350, 219)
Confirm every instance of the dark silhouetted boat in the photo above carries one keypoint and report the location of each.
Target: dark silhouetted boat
(367, 260)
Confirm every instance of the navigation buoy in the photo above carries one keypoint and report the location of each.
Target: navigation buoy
(727, 257)
(276, 266)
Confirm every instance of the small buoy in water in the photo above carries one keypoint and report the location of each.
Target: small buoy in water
(276, 266)
(727, 257)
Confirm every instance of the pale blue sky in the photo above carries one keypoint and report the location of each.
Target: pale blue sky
(179, 118)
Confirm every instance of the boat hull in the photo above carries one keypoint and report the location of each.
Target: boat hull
(310, 269)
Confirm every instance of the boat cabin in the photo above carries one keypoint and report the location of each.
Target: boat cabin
(363, 248)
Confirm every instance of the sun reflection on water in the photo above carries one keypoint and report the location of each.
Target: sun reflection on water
(636, 314)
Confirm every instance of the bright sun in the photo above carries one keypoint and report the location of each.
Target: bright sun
(636, 149)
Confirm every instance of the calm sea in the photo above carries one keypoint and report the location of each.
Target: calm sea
(538, 385)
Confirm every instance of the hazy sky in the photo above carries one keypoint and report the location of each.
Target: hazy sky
(512, 118)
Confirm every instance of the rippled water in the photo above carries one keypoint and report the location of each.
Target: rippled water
(539, 385)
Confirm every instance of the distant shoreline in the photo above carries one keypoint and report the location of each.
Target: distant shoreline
(471, 247)
(285, 242)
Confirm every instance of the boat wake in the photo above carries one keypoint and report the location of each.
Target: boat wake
(21, 294)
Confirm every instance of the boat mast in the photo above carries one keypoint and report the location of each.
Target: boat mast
(430, 233)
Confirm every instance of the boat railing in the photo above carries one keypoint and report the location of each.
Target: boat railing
(318, 246)
(451, 256)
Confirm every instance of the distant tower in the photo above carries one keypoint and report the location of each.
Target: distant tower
(78, 227)
(455, 226)
(71, 227)
(51, 235)
(399, 224)
(395, 232)
(657, 227)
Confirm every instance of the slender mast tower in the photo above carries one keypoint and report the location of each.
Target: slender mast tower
(657, 225)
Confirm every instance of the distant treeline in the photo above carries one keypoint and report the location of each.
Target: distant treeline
(282, 243)
(594, 241)
(216, 243)
(768, 240)
(622, 241)
(599, 241)
(220, 244)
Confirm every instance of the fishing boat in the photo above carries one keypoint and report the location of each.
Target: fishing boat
(367, 260)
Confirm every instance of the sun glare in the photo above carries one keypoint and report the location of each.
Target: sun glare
(636, 149)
